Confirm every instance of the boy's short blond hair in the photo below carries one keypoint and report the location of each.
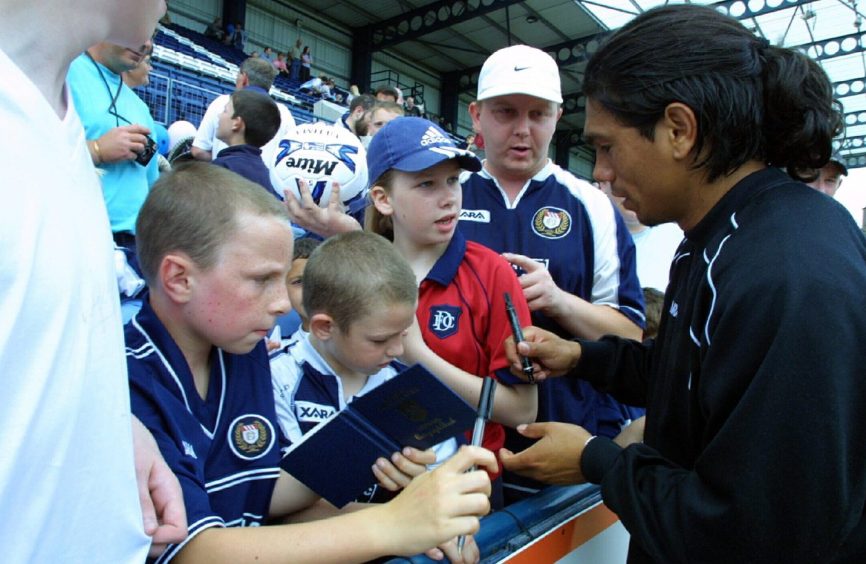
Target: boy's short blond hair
(193, 209)
(654, 300)
(350, 275)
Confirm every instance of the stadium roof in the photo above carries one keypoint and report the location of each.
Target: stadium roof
(453, 37)
(829, 31)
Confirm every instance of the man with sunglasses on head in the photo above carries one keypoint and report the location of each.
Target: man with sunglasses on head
(118, 127)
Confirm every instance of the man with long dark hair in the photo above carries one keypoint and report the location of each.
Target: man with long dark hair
(754, 444)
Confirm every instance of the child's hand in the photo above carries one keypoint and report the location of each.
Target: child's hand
(395, 474)
(325, 221)
(438, 505)
(470, 554)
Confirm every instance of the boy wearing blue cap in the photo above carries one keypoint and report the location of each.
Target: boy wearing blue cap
(461, 310)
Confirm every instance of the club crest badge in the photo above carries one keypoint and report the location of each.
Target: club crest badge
(444, 320)
(551, 223)
(251, 436)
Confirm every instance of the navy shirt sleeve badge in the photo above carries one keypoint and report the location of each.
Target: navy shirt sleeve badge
(251, 436)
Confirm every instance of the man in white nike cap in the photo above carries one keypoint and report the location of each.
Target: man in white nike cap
(571, 249)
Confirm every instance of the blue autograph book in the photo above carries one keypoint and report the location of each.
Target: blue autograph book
(412, 409)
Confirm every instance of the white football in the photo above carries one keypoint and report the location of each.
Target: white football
(321, 154)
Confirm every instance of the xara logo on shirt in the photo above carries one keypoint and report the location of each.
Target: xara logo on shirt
(251, 436)
(481, 216)
(444, 320)
(310, 412)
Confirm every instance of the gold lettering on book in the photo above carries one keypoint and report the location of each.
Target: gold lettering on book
(433, 427)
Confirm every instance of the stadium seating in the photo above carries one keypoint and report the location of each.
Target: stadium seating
(190, 70)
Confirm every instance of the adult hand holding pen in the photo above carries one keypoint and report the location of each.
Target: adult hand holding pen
(551, 355)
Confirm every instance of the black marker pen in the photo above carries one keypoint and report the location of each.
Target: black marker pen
(485, 410)
(518, 336)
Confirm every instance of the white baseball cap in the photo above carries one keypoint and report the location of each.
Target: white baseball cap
(520, 69)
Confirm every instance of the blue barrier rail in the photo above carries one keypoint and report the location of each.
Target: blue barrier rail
(504, 532)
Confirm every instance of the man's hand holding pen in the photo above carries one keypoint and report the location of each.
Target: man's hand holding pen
(549, 354)
(517, 333)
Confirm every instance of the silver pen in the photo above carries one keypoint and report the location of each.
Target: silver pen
(485, 409)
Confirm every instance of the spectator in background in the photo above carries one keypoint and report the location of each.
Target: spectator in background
(295, 60)
(830, 176)
(306, 63)
(249, 121)
(215, 31)
(140, 75)
(353, 91)
(380, 114)
(68, 476)
(318, 86)
(353, 120)
(469, 142)
(238, 37)
(118, 127)
(280, 64)
(254, 74)
(411, 109)
(268, 55)
(230, 32)
(387, 93)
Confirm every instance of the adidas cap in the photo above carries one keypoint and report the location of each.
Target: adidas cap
(412, 144)
(520, 69)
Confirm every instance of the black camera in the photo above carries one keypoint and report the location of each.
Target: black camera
(143, 158)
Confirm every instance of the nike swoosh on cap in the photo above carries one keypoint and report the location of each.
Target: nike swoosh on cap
(518, 69)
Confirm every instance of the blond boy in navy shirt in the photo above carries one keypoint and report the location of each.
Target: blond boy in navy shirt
(215, 250)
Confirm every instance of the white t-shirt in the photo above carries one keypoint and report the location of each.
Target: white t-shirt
(67, 479)
(655, 248)
(206, 140)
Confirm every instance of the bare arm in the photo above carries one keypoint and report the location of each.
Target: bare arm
(590, 321)
(578, 316)
(290, 495)
(434, 508)
(159, 492)
(512, 405)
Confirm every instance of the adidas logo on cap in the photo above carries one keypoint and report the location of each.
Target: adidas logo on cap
(433, 137)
